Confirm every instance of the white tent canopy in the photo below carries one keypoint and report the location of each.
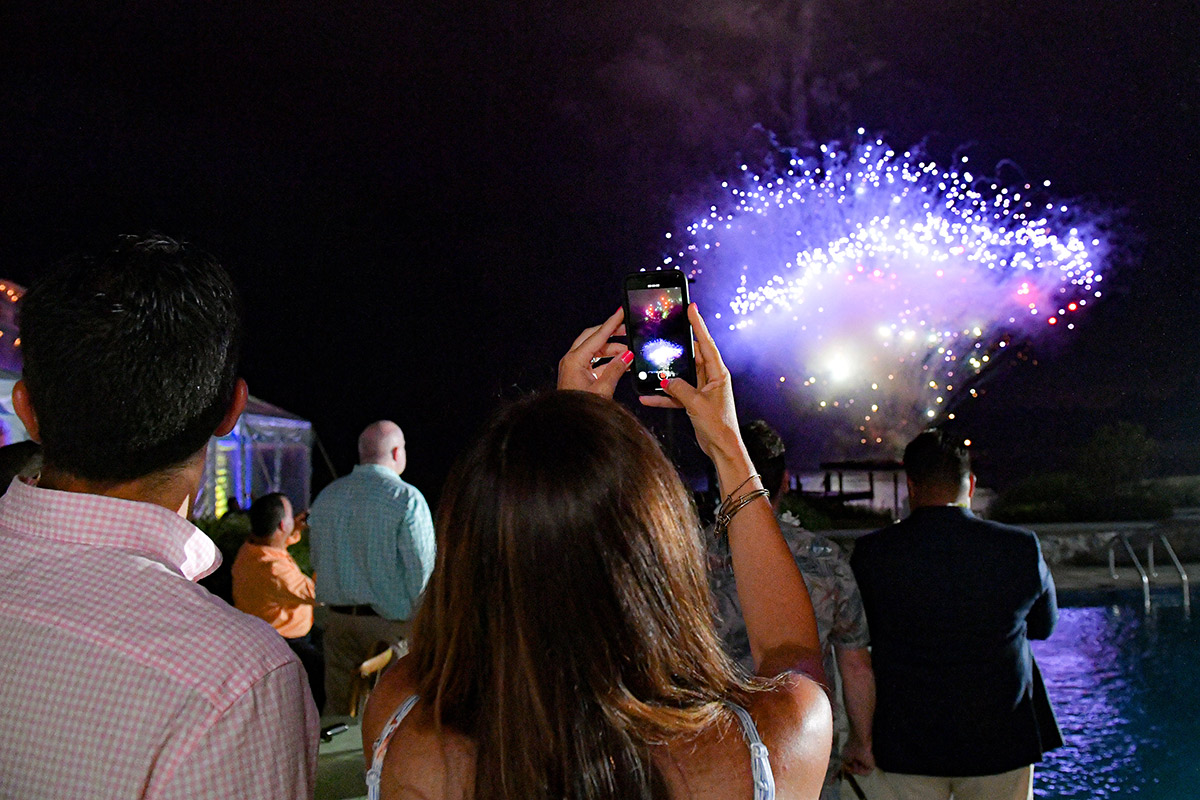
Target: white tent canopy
(269, 450)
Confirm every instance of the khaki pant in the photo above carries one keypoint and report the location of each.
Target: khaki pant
(348, 640)
(1016, 784)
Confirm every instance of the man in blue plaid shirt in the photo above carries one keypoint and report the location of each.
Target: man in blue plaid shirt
(372, 552)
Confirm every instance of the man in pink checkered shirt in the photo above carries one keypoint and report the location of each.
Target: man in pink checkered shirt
(119, 676)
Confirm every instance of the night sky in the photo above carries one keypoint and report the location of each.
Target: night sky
(424, 203)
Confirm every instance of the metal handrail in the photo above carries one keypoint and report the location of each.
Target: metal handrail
(1123, 538)
(1141, 572)
(1183, 578)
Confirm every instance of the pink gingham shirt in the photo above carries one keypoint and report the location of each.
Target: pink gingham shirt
(122, 678)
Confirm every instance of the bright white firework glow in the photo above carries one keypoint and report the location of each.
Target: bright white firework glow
(880, 286)
(661, 353)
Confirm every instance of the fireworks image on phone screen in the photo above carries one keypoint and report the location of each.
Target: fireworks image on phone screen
(660, 330)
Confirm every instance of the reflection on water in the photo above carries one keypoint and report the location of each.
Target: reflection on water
(1123, 688)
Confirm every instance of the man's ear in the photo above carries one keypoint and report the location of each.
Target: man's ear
(24, 409)
(236, 406)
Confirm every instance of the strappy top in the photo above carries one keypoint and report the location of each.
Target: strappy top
(760, 765)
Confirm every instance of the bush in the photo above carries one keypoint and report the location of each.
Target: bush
(822, 514)
(228, 533)
(1068, 497)
(1183, 490)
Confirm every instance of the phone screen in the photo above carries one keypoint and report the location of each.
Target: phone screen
(659, 333)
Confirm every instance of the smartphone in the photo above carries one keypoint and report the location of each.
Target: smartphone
(660, 335)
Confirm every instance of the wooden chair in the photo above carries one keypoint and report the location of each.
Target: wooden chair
(378, 656)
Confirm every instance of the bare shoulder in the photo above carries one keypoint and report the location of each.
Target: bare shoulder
(396, 685)
(796, 723)
(422, 761)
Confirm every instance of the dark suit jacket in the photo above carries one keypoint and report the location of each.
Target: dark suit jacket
(952, 601)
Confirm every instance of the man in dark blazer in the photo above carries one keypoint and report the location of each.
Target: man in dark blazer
(952, 602)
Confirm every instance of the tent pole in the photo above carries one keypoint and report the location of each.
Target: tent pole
(324, 454)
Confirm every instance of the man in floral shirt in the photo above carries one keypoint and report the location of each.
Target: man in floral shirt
(841, 622)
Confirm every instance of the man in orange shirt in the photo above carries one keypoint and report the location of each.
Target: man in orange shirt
(268, 583)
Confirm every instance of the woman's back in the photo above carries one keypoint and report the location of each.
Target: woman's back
(564, 648)
(713, 765)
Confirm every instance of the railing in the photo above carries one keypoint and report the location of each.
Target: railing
(1145, 575)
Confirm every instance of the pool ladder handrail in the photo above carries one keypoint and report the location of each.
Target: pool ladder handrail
(1143, 574)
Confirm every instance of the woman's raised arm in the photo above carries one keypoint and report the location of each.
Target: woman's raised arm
(775, 603)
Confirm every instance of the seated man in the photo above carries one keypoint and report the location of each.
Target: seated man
(268, 583)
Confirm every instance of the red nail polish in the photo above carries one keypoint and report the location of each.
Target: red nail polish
(664, 383)
(627, 356)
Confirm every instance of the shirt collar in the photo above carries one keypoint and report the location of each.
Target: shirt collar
(947, 510)
(98, 521)
(377, 468)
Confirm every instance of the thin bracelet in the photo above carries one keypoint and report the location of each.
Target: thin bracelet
(729, 497)
(725, 517)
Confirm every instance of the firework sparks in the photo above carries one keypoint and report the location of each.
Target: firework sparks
(660, 309)
(661, 353)
(881, 286)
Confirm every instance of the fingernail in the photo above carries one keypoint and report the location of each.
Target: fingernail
(664, 383)
(627, 356)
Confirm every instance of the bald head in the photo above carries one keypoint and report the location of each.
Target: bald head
(382, 443)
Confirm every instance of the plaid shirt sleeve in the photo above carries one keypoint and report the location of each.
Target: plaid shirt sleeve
(242, 754)
(417, 545)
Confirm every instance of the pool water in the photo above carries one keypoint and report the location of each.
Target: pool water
(1124, 687)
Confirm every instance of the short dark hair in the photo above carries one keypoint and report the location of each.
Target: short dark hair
(130, 356)
(766, 451)
(936, 459)
(265, 514)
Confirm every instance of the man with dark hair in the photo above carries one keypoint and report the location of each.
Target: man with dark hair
(841, 623)
(268, 583)
(953, 601)
(122, 677)
(372, 552)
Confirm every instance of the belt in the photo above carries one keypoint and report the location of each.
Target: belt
(355, 611)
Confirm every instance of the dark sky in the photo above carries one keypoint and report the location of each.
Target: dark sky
(424, 202)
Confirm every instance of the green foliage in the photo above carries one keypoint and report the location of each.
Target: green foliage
(1108, 484)
(822, 514)
(300, 552)
(1182, 490)
(228, 532)
(1116, 455)
(808, 517)
(1069, 497)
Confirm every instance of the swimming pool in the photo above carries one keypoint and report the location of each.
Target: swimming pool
(1123, 684)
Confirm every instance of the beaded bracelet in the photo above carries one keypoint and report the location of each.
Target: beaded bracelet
(724, 517)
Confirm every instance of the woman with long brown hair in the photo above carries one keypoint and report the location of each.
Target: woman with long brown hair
(565, 648)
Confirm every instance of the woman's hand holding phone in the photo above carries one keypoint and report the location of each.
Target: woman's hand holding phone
(577, 370)
(709, 404)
